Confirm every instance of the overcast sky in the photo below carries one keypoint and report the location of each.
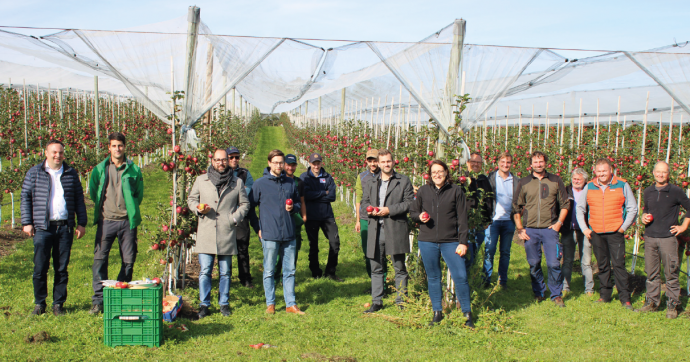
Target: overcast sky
(603, 25)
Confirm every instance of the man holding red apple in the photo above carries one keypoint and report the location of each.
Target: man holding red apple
(362, 223)
(390, 195)
(220, 201)
(610, 206)
(664, 201)
(117, 189)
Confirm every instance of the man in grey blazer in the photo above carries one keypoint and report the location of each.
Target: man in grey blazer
(390, 194)
(220, 201)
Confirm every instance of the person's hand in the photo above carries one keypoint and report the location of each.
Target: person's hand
(556, 226)
(260, 235)
(587, 233)
(678, 229)
(646, 219)
(304, 218)
(288, 207)
(29, 230)
(487, 226)
(461, 249)
(425, 219)
(205, 210)
(358, 227)
(383, 211)
(522, 234)
(80, 231)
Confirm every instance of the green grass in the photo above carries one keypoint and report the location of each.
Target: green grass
(509, 327)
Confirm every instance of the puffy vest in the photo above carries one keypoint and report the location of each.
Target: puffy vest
(606, 209)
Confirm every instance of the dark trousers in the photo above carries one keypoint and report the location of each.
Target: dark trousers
(609, 249)
(106, 233)
(364, 234)
(330, 230)
(243, 269)
(55, 243)
(379, 269)
(548, 239)
(657, 251)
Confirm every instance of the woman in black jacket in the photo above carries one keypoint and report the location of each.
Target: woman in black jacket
(441, 210)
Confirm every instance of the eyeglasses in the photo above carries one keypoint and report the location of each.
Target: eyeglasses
(220, 160)
(440, 173)
(476, 162)
(233, 157)
(277, 163)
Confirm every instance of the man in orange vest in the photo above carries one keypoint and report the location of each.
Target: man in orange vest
(612, 209)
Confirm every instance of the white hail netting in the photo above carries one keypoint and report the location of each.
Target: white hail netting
(384, 82)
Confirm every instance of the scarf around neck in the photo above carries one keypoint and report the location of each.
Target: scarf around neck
(217, 178)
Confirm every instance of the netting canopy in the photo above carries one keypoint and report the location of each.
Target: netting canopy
(403, 83)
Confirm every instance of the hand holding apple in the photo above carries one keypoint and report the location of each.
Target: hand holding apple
(203, 208)
(288, 205)
(647, 218)
(424, 217)
(370, 209)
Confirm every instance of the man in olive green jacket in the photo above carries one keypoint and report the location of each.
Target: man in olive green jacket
(116, 188)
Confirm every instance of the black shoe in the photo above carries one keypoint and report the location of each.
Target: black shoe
(204, 312)
(627, 305)
(317, 275)
(438, 317)
(487, 285)
(57, 310)
(38, 310)
(248, 284)
(96, 309)
(225, 310)
(469, 323)
(374, 308)
(334, 277)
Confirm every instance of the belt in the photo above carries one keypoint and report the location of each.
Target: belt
(58, 222)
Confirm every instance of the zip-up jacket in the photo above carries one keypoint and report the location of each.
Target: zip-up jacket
(572, 212)
(492, 181)
(315, 196)
(246, 177)
(610, 207)
(269, 193)
(664, 205)
(361, 180)
(447, 209)
(540, 201)
(132, 183)
(481, 182)
(35, 197)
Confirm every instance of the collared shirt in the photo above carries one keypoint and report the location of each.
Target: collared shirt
(576, 197)
(504, 197)
(57, 205)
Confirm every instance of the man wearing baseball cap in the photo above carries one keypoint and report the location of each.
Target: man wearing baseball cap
(242, 232)
(298, 219)
(319, 192)
(363, 218)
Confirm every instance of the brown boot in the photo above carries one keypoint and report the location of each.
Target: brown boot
(648, 307)
(271, 309)
(672, 309)
(294, 309)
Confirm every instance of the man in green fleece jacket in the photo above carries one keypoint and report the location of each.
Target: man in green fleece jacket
(116, 188)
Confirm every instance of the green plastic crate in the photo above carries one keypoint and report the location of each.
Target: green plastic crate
(133, 302)
(142, 332)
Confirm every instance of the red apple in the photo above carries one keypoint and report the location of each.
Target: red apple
(156, 280)
(639, 177)
(370, 208)
(155, 246)
(426, 176)
(406, 159)
(376, 209)
(424, 215)
(456, 162)
(463, 179)
(650, 217)
(431, 153)
(177, 149)
(288, 202)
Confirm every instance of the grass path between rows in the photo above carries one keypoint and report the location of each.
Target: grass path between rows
(513, 327)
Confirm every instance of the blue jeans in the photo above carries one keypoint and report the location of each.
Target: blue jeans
(548, 239)
(431, 256)
(287, 249)
(56, 244)
(225, 268)
(473, 247)
(503, 229)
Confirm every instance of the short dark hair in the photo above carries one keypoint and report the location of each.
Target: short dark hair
(275, 153)
(539, 154)
(117, 136)
(54, 141)
(445, 168)
(384, 152)
(476, 153)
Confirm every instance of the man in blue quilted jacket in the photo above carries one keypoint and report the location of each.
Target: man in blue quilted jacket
(51, 197)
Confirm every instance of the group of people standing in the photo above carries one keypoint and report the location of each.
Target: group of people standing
(551, 219)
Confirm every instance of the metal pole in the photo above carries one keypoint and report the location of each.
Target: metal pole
(95, 113)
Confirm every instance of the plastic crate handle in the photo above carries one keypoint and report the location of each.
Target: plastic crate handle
(131, 317)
